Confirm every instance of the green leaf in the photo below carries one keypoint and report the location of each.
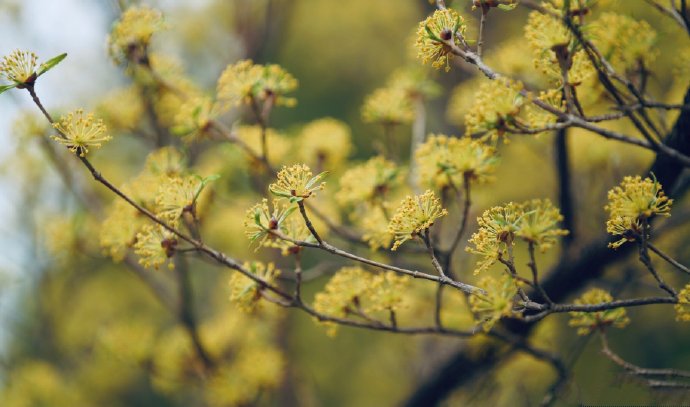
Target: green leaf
(431, 34)
(294, 199)
(204, 182)
(50, 64)
(286, 214)
(507, 7)
(3, 88)
(280, 193)
(316, 179)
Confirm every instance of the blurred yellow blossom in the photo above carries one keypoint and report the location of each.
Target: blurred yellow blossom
(245, 83)
(389, 106)
(131, 33)
(324, 143)
(447, 161)
(497, 104)
(498, 302)
(683, 306)
(245, 292)
(121, 109)
(155, 246)
(368, 182)
(587, 322)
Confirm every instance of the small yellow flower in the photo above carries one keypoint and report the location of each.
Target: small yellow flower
(443, 25)
(244, 291)
(445, 161)
(260, 221)
(119, 229)
(539, 223)
(132, 32)
(498, 302)
(81, 133)
(551, 43)
(374, 227)
(497, 104)
(155, 246)
(176, 196)
(683, 306)
(194, 117)
(19, 67)
(325, 143)
(121, 109)
(297, 182)
(633, 201)
(497, 228)
(539, 118)
(389, 106)
(352, 291)
(244, 83)
(624, 41)
(416, 81)
(387, 292)
(368, 182)
(414, 215)
(535, 221)
(278, 145)
(587, 322)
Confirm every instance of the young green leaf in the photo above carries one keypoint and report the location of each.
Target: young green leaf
(50, 64)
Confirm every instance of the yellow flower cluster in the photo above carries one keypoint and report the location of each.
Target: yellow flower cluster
(19, 67)
(683, 306)
(389, 106)
(325, 143)
(131, 33)
(353, 290)
(433, 34)
(537, 117)
(414, 215)
(624, 41)
(244, 83)
(633, 201)
(296, 183)
(278, 144)
(245, 292)
(194, 117)
(256, 365)
(177, 195)
(119, 229)
(587, 322)
(497, 303)
(497, 104)
(374, 226)
(260, 221)
(551, 44)
(415, 81)
(368, 182)
(155, 246)
(80, 133)
(164, 188)
(444, 161)
(121, 109)
(535, 221)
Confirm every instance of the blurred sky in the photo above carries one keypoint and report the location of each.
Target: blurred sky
(48, 28)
